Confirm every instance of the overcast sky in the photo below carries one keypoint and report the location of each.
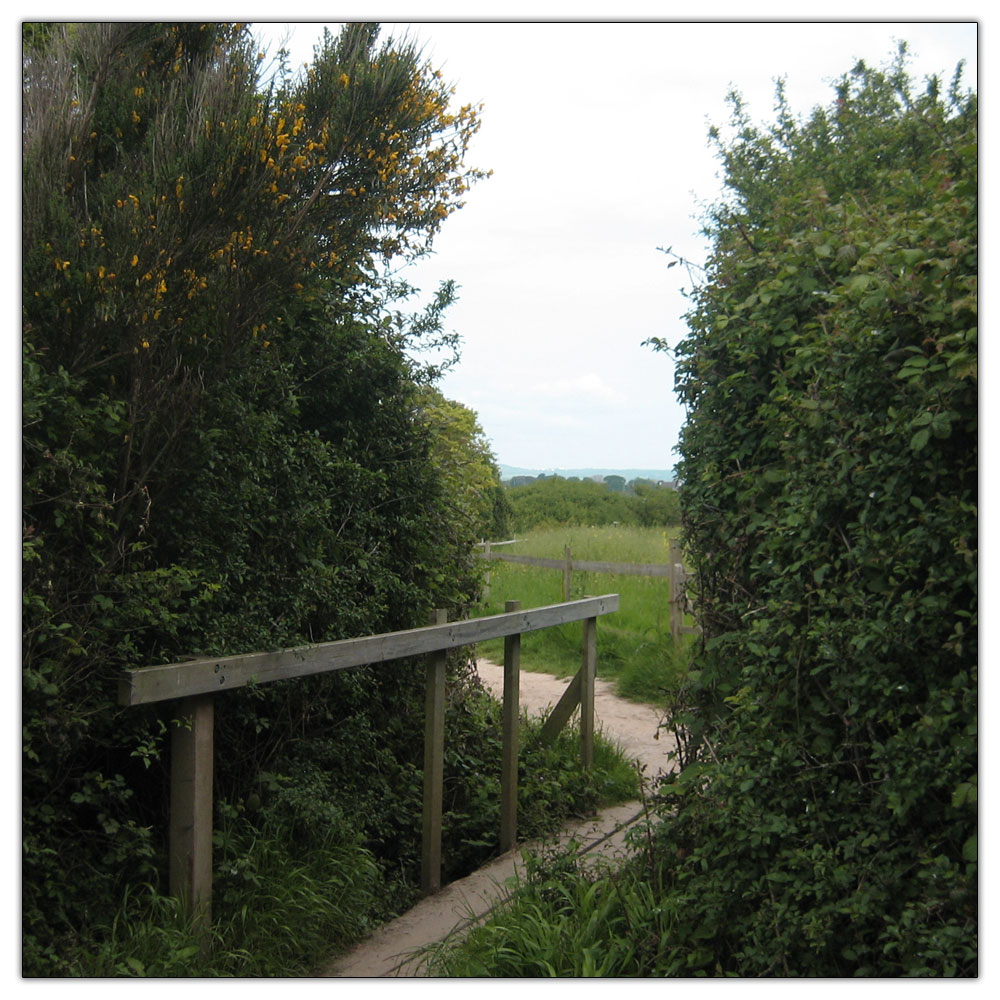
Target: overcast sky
(597, 137)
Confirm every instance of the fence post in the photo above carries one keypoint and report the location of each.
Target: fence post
(191, 810)
(676, 591)
(430, 867)
(511, 719)
(588, 672)
(568, 574)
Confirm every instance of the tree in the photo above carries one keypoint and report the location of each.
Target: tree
(656, 505)
(477, 501)
(220, 446)
(826, 813)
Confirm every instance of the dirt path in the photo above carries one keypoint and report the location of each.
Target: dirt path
(393, 949)
(634, 727)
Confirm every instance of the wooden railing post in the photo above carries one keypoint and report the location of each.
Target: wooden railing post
(588, 671)
(191, 810)
(567, 573)
(511, 719)
(430, 868)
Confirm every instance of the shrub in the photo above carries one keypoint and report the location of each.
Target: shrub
(825, 822)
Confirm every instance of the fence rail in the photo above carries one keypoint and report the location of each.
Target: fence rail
(194, 684)
(673, 571)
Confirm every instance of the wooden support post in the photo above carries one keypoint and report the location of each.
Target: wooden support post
(562, 713)
(430, 873)
(191, 810)
(568, 574)
(511, 718)
(588, 672)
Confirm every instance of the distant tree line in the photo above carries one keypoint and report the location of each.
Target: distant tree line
(548, 501)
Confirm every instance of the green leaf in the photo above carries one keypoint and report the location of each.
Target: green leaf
(965, 793)
(136, 966)
(970, 849)
(920, 439)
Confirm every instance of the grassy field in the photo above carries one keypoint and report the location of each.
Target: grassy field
(634, 646)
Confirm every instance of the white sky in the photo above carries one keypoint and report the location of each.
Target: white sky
(597, 137)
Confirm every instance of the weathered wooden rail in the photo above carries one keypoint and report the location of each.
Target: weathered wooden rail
(674, 571)
(195, 684)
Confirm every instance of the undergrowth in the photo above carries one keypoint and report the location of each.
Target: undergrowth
(288, 894)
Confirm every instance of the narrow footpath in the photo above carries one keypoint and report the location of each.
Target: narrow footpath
(395, 948)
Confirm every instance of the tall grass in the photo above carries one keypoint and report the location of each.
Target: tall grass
(635, 648)
(285, 903)
(566, 920)
(276, 911)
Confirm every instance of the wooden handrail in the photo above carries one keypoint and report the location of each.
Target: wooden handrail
(192, 684)
(223, 673)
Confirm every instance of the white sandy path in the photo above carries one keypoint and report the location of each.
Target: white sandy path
(634, 727)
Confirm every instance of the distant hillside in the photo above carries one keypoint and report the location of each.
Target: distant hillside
(506, 471)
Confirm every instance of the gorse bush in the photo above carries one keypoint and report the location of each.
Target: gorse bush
(224, 446)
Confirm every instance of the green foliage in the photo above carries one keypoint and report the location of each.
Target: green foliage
(565, 919)
(478, 503)
(221, 449)
(829, 463)
(823, 822)
(553, 501)
(283, 910)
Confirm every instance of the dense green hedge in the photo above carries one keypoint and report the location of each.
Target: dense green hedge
(826, 816)
(223, 446)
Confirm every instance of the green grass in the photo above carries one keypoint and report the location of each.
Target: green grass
(283, 909)
(634, 645)
(565, 921)
(273, 913)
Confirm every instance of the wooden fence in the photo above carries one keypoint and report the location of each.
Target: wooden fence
(674, 571)
(195, 684)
